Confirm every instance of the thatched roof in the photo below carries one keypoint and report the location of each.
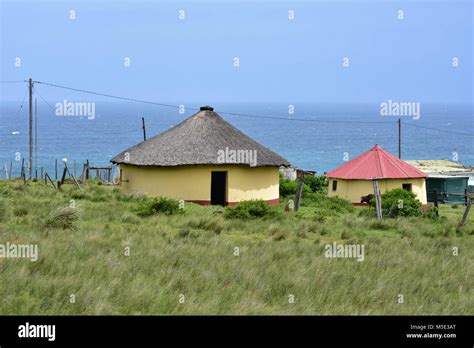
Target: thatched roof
(197, 140)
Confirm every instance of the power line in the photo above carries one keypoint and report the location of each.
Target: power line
(439, 130)
(244, 114)
(22, 102)
(197, 109)
(107, 95)
(17, 81)
(84, 128)
(300, 119)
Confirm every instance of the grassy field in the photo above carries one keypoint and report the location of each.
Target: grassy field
(188, 263)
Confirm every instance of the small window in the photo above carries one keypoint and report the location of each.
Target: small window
(407, 187)
(334, 185)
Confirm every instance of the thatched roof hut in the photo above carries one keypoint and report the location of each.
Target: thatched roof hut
(204, 159)
(197, 141)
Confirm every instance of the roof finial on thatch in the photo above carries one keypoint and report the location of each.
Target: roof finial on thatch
(206, 108)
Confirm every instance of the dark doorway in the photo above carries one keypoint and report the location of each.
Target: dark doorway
(218, 188)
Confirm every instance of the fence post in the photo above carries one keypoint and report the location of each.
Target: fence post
(466, 213)
(299, 190)
(378, 199)
(435, 200)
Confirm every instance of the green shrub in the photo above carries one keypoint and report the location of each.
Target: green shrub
(288, 187)
(247, 209)
(316, 183)
(432, 213)
(64, 218)
(399, 202)
(311, 183)
(158, 205)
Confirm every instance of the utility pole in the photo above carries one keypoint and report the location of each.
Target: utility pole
(36, 135)
(399, 138)
(144, 129)
(30, 89)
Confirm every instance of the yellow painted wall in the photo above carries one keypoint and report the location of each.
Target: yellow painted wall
(352, 190)
(193, 183)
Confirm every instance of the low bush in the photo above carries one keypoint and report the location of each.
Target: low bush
(399, 202)
(247, 209)
(316, 183)
(311, 184)
(288, 187)
(432, 213)
(158, 205)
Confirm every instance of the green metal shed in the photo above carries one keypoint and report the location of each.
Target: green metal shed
(448, 187)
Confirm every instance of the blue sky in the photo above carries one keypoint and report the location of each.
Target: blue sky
(192, 60)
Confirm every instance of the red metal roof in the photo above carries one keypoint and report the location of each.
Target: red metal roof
(376, 163)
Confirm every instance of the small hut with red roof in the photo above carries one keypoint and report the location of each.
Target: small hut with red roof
(354, 179)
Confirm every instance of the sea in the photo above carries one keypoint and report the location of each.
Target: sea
(311, 136)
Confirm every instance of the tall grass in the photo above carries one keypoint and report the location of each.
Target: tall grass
(116, 262)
